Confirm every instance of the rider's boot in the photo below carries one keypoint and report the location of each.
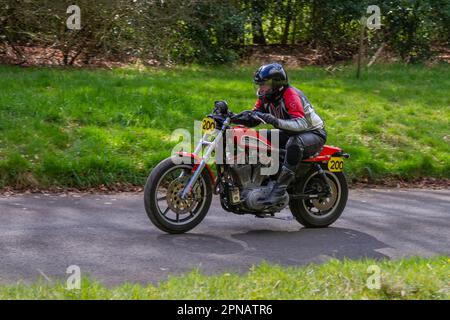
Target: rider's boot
(279, 189)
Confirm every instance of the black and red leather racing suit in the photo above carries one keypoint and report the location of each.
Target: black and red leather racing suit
(302, 132)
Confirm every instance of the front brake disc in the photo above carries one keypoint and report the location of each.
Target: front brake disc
(174, 200)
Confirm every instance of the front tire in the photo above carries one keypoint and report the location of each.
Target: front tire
(320, 213)
(168, 212)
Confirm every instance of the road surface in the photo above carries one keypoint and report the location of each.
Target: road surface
(110, 237)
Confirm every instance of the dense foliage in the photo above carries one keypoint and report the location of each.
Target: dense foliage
(214, 31)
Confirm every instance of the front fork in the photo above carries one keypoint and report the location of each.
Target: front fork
(211, 146)
(193, 179)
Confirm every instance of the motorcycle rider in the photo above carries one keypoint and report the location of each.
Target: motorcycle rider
(302, 131)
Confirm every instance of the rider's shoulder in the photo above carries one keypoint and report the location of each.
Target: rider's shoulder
(291, 90)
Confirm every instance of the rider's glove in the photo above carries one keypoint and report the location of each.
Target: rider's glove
(267, 118)
(245, 118)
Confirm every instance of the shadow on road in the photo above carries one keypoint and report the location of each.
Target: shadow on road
(286, 248)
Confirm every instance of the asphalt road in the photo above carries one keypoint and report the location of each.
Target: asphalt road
(110, 237)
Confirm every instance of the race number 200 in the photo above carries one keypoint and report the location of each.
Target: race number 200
(336, 164)
(208, 125)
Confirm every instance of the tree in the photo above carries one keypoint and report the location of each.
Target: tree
(258, 8)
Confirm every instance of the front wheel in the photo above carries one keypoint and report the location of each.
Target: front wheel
(320, 212)
(163, 205)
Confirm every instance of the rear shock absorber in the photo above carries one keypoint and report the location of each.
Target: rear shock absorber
(325, 180)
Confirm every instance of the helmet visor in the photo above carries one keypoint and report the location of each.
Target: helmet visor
(263, 89)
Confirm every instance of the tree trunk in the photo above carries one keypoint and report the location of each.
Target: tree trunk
(361, 46)
(288, 13)
(257, 28)
(312, 21)
(258, 33)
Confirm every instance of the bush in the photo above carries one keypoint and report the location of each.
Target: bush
(213, 37)
(214, 32)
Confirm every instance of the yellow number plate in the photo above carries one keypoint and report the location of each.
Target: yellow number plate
(336, 164)
(208, 125)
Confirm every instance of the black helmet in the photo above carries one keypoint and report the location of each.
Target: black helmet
(273, 77)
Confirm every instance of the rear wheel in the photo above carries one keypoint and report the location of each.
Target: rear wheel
(320, 212)
(163, 205)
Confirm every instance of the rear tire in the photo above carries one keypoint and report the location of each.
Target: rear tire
(303, 210)
(151, 202)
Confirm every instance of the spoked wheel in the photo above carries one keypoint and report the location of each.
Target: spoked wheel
(320, 212)
(164, 206)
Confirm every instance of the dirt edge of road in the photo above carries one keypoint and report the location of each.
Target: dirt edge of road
(423, 183)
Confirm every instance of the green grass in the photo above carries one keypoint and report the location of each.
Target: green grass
(412, 278)
(83, 128)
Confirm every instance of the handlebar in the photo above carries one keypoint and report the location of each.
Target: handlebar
(250, 113)
(223, 116)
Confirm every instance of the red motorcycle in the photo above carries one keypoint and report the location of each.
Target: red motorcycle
(179, 190)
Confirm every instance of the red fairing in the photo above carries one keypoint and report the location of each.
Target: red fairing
(325, 155)
(197, 161)
(240, 133)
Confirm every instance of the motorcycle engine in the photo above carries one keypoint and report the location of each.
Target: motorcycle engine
(252, 200)
(252, 187)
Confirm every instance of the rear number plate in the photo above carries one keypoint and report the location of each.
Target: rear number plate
(336, 164)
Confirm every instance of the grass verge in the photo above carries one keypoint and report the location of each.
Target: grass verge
(85, 128)
(411, 278)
